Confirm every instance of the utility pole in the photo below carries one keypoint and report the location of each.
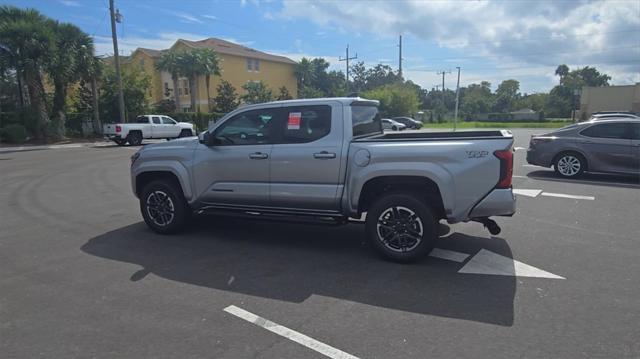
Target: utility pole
(455, 116)
(400, 57)
(347, 60)
(116, 57)
(443, 73)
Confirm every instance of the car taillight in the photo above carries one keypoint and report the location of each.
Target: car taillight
(506, 168)
(538, 140)
(118, 129)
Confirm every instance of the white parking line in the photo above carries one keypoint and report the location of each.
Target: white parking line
(519, 148)
(290, 334)
(571, 196)
(530, 166)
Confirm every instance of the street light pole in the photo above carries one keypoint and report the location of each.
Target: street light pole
(455, 116)
(116, 59)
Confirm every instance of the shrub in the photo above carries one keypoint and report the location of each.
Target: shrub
(13, 133)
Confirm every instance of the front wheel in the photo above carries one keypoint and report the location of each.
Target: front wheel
(163, 207)
(400, 227)
(185, 133)
(570, 164)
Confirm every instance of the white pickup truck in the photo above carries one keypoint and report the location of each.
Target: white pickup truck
(147, 126)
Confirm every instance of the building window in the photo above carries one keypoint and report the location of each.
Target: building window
(141, 63)
(185, 85)
(253, 65)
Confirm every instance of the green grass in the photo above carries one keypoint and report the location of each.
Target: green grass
(476, 124)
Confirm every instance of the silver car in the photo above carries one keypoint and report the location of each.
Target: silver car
(611, 146)
(389, 124)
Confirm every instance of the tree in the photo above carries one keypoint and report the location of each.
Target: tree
(284, 94)
(381, 75)
(304, 74)
(359, 76)
(395, 99)
(70, 61)
(477, 99)
(506, 95)
(227, 98)
(170, 62)
(135, 84)
(26, 42)
(562, 71)
(257, 92)
(209, 64)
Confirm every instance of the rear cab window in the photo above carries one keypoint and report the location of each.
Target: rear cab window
(365, 120)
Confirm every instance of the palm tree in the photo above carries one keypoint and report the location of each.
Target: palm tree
(562, 71)
(170, 62)
(26, 42)
(70, 61)
(304, 73)
(209, 64)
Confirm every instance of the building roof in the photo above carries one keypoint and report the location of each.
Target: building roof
(230, 48)
(218, 45)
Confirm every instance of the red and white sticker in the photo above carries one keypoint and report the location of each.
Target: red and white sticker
(294, 121)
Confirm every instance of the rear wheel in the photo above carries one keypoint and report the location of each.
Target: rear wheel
(134, 138)
(570, 164)
(394, 128)
(163, 207)
(400, 227)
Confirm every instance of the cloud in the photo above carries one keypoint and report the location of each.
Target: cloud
(211, 17)
(70, 3)
(537, 34)
(188, 18)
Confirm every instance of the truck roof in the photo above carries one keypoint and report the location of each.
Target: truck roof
(307, 101)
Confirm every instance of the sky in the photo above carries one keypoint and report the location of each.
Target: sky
(489, 40)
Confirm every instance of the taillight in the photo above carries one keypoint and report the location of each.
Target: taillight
(118, 128)
(506, 168)
(538, 140)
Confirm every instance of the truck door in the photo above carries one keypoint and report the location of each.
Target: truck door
(235, 170)
(305, 162)
(157, 128)
(635, 145)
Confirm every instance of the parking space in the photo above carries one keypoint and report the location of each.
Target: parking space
(81, 275)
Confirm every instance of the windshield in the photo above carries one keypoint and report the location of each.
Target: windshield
(365, 120)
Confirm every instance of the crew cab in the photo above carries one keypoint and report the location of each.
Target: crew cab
(147, 127)
(326, 161)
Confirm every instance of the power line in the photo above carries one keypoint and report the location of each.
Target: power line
(421, 69)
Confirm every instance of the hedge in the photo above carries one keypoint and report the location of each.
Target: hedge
(13, 133)
(200, 119)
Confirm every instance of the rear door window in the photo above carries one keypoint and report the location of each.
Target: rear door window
(304, 124)
(607, 130)
(156, 120)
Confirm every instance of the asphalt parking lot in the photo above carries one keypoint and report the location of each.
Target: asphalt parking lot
(82, 276)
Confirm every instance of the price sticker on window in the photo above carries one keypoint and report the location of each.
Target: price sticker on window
(294, 121)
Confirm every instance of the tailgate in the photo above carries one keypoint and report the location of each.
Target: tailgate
(109, 129)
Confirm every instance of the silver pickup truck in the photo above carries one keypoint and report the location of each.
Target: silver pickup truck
(326, 161)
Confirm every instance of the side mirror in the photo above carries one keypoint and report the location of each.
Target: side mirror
(207, 138)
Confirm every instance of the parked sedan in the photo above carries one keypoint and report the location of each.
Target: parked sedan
(595, 146)
(613, 116)
(409, 122)
(389, 124)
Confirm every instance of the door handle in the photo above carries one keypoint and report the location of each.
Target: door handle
(324, 155)
(258, 156)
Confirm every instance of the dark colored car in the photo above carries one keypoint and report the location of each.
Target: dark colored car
(409, 122)
(595, 146)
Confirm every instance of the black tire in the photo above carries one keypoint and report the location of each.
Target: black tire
(185, 133)
(569, 164)
(134, 138)
(170, 213)
(406, 240)
(394, 128)
(120, 142)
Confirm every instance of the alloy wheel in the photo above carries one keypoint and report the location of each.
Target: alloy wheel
(569, 165)
(399, 229)
(160, 208)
